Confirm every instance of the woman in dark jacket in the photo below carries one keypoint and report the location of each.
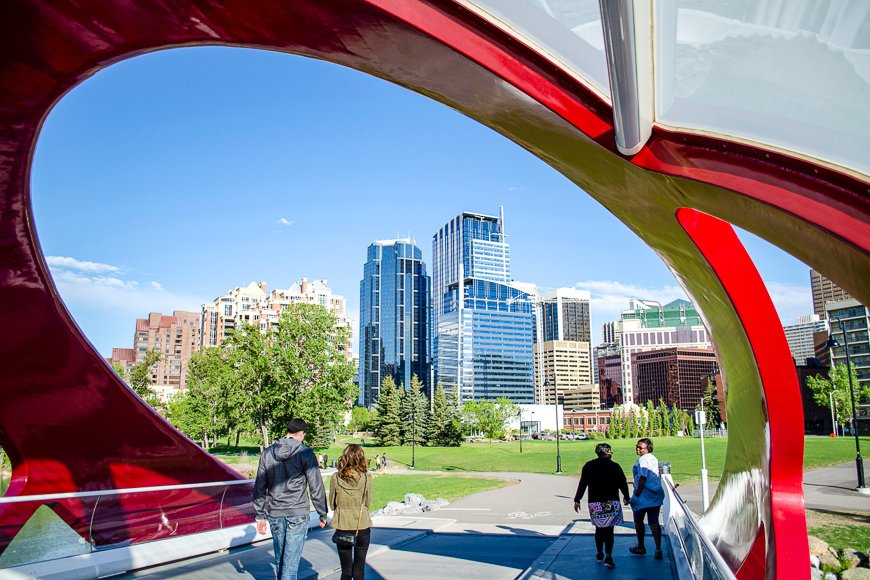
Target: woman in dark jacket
(350, 496)
(605, 479)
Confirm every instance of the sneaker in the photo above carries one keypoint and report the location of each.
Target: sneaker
(608, 562)
(658, 555)
(599, 557)
(638, 550)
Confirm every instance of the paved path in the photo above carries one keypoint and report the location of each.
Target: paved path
(524, 530)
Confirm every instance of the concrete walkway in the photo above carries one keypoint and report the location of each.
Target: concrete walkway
(526, 530)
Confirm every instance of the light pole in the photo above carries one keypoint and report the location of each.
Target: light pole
(413, 429)
(701, 420)
(520, 417)
(859, 462)
(556, 407)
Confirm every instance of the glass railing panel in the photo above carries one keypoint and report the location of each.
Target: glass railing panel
(63, 525)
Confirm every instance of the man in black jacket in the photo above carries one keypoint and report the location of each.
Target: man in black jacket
(605, 479)
(287, 471)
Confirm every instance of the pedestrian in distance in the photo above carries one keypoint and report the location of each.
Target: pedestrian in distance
(325, 460)
(384, 460)
(648, 497)
(604, 479)
(350, 496)
(286, 474)
(377, 462)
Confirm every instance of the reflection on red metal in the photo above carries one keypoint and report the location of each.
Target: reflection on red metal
(719, 244)
(69, 424)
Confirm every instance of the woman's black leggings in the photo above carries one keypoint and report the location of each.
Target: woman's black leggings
(604, 540)
(353, 558)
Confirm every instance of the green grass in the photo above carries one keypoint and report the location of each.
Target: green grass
(392, 487)
(839, 537)
(684, 454)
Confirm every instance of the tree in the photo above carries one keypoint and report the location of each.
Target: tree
(360, 419)
(119, 368)
(489, 416)
(650, 420)
(209, 382)
(140, 376)
(415, 413)
(714, 417)
(838, 385)
(388, 427)
(254, 393)
(313, 377)
(444, 425)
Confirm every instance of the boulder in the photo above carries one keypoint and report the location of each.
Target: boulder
(814, 561)
(816, 574)
(824, 552)
(854, 557)
(856, 574)
(414, 499)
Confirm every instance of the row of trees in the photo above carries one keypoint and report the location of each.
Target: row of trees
(402, 416)
(255, 382)
(835, 389)
(649, 421)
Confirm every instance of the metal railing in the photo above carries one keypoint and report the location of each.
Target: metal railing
(701, 558)
(76, 523)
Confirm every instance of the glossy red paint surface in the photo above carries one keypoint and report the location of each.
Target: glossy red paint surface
(69, 424)
(724, 251)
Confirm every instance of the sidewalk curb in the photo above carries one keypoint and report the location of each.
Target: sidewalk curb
(538, 568)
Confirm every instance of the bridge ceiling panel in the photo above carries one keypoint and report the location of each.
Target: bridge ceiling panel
(792, 75)
(795, 75)
(567, 31)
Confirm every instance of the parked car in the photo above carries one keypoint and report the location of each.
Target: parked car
(581, 436)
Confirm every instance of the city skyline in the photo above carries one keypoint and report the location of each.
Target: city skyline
(195, 171)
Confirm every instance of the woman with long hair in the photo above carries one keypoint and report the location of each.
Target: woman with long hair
(350, 497)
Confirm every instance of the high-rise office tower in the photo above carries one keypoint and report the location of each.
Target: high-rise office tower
(483, 323)
(824, 291)
(800, 336)
(394, 318)
(562, 349)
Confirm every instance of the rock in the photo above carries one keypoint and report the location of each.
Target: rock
(824, 552)
(830, 576)
(854, 557)
(814, 561)
(856, 574)
(816, 574)
(414, 499)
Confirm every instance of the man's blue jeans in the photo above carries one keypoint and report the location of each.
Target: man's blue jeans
(288, 536)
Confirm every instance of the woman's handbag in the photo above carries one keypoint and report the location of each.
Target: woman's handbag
(344, 539)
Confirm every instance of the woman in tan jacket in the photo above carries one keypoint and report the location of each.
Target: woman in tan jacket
(350, 497)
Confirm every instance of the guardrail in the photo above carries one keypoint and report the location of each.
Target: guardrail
(695, 556)
(84, 522)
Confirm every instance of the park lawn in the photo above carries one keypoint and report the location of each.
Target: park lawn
(840, 537)
(393, 487)
(684, 454)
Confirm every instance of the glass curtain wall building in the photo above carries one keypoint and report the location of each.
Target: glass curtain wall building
(394, 318)
(483, 325)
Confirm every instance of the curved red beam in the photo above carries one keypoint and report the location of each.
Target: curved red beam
(46, 49)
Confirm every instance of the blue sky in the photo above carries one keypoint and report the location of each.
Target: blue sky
(169, 179)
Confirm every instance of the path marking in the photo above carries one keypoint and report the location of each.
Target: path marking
(526, 516)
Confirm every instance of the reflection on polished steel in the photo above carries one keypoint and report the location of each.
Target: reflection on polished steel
(679, 193)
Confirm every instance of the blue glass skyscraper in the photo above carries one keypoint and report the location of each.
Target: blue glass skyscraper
(394, 318)
(483, 325)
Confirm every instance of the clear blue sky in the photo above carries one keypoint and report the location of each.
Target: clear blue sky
(169, 179)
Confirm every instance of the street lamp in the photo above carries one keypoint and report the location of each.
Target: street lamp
(701, 420)
(520, 416)
(413, 429)
(556, 407)
(859, 462)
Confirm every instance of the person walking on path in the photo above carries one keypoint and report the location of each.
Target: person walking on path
(605, 479)
(287, 472)
(648, 497)
(350, 496)
(384, 460)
